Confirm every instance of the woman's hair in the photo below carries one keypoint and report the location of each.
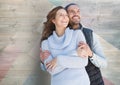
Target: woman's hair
(49, 26)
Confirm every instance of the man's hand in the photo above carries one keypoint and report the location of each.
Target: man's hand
(44, 55)
(84, 50)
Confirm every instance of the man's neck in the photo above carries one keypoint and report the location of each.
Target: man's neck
(76, 26)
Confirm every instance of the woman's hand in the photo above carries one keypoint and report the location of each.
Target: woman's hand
(44, 55)
(52, 64)
(82, 49)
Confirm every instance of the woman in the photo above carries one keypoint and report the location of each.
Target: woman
(64, 62)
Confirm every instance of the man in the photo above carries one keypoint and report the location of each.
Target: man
(94, 50)
(93, 47)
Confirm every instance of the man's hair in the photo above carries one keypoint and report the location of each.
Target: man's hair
(66, 7)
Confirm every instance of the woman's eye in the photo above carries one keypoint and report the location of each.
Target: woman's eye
(61, 14)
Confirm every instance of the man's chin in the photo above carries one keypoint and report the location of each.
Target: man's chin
(76, 23)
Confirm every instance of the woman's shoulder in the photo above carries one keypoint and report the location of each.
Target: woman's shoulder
(44, 42)
(44, 45)
(74, 32)
(68, 29)
(78, 32)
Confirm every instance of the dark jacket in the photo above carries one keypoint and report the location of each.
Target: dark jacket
(93, 71)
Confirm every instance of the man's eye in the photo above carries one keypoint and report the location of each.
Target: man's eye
(71, 11)
(78, 11)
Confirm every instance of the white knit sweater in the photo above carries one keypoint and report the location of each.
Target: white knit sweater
(70, 69)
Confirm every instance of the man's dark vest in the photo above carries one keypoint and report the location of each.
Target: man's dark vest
(93, 71)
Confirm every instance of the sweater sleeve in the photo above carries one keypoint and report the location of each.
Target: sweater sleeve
(42, 66)
(98, 58)
(68, 61)
(58, 68)
(44, 46)
(64, 61)
(79, 37)
(72, 61)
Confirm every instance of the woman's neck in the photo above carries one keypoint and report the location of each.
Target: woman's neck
(60, 31)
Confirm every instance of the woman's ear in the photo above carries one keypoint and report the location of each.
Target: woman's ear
(53, 21)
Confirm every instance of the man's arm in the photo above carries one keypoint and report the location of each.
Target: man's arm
(98, 58)
(43, 55)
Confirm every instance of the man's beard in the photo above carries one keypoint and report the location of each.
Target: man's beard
(74, 23)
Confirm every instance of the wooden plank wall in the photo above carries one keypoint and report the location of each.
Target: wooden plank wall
(20, 31)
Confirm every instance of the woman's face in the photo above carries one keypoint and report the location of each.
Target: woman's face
(61, 19)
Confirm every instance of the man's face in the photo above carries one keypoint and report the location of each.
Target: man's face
(74, 14)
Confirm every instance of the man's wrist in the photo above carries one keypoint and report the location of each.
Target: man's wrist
(42, 62)
(91, 55)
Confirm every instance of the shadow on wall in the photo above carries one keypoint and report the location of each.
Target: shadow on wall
(56, 2)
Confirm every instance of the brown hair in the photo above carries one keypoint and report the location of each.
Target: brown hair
(49, 26)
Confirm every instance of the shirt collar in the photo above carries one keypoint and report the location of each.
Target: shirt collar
(79, 28)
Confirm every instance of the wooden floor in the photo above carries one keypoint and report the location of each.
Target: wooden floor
(20, 31)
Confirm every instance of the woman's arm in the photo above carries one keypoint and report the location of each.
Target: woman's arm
(69, 61)
(44, 64)
(62, 62)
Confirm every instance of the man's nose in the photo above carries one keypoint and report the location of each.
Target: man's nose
(76, 13)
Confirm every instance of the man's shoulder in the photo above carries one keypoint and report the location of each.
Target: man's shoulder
(89, 36)
(87, 29)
